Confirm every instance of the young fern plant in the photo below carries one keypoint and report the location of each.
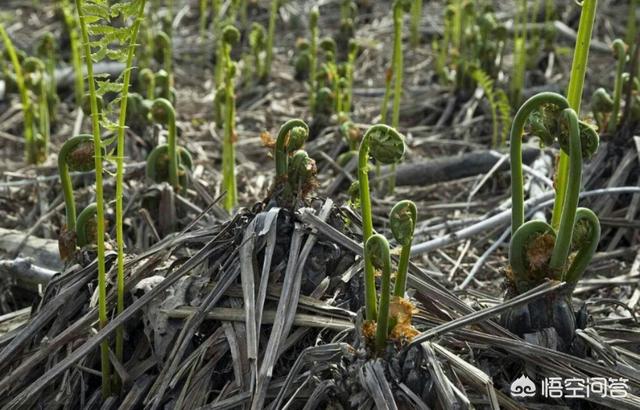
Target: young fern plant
(230, 36)
(168, 162)
(386, 146)
(416, 16)
(71, 25)
(377, 249)
(164, 53)
(574, 96)
(349, 70)
(102, 40)
(271, 31)
(32, 151)
(520, 54)
(620, 53)
(77, 155)
(257, 43)
(399, 8)
(579, 228)
(314, 16)
(499, 106)
(47, 52)
(402, 221)
(37, 83)
(295, 170)
(538, 250)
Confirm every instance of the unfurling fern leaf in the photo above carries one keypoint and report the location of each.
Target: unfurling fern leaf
(100, 41)
(498, 104)
(110, 42)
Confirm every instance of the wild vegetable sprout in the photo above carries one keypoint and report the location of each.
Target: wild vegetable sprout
(386, 146)
(230, 36)
(71, 25)
(574, 97)
(94, 17)
(295, 170)
(76, 154)
(606, 109)
(33, 148)
(396, 71)
(402, 221)
(538, 250)
(168, 162)
(257, 42)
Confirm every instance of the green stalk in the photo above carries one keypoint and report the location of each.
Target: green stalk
(31, 150)
(630, 36)
(397, 63)
(619, 50)
(45, 121)
(520, 52)
(351, 59)
(76, 59)
(517, 128)
(230, 36)
(291, 136)
(162, 111)
(77, 162)
(217, 34)
(120, 177)
(416, 15)
(228, 151)
(313, 54)
(574, 96)
(563, 238)
(378, 249)
(367, 229)
(385, 145)
(387, 95)
(102, 275)
(402, 220)
(270, 34)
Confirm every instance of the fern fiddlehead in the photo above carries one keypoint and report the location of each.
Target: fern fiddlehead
(291, 137)
(230, 36)
(620, 52)
(537, 250)
(385, 145)
(402, 220)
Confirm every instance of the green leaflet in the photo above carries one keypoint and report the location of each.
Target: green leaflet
(498, 104)
(109, 41)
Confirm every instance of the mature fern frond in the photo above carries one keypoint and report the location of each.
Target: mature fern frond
(110, 37)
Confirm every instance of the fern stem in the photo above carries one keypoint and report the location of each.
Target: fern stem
(273, 14)
(102, 276)
(76, 59)
(120, 176)
(574, 96)
(29, 140)
(397, 65)
(228, 151)
(416, 16)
